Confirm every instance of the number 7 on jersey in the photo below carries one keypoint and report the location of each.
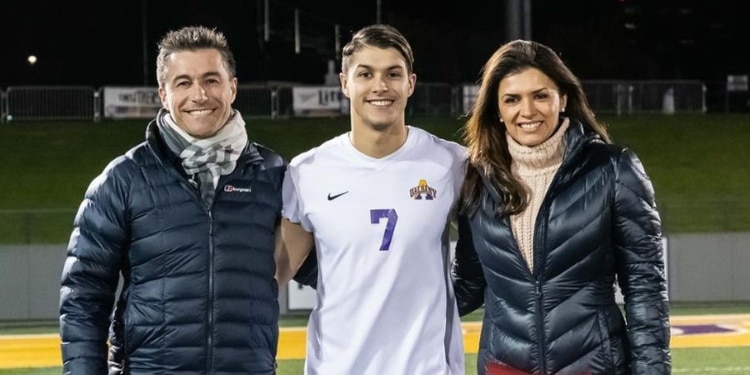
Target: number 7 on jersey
(390, 215)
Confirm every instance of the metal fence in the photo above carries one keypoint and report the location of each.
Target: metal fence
(646, 96)
(51, 102)
(21, 103)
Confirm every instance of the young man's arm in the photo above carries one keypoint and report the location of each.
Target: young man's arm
(293, 244)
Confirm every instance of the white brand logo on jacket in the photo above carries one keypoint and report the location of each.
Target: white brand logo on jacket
(234, 189)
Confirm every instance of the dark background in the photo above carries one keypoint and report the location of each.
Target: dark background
(98, 43)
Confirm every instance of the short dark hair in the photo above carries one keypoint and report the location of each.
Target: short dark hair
(193, 38)
(381, 36)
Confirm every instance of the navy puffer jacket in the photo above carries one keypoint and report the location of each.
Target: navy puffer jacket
(198, 289)
(598, 224)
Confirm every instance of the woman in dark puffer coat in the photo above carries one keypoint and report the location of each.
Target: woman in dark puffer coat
(552, 216)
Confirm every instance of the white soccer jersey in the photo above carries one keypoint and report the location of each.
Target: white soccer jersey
(385, 303)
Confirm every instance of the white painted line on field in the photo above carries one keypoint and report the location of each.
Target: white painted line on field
(678, 318)
(23, 336)
(709, 370)
(293, 329)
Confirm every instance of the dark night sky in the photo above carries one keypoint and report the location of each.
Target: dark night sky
(88, 42)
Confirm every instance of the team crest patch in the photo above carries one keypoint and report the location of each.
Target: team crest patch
(423, 191)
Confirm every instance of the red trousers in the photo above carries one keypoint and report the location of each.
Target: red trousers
(503, 369)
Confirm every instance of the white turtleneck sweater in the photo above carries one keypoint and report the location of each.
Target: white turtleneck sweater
(535, 167)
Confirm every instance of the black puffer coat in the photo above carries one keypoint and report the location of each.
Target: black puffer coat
(598, 223)
(198, 292)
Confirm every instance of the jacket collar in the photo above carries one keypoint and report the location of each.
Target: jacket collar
(576, 136)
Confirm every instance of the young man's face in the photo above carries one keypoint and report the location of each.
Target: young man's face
(198, 91)
(378, 86)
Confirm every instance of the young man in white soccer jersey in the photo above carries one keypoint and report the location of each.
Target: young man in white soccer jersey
(375, 203)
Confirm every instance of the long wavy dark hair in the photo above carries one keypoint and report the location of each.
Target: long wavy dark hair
(484, 134)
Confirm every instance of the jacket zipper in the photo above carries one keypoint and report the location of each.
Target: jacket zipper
(210, 310)
(540, 233)
(538, 300)
(538, 275)
(210, 303)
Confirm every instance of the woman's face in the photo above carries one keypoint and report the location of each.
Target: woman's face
(530, 104)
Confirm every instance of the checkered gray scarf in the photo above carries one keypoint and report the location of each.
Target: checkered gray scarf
(205, 160)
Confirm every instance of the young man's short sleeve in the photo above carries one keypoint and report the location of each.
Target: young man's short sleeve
(291, 203)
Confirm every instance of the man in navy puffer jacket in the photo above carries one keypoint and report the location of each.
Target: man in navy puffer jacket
(185, 223)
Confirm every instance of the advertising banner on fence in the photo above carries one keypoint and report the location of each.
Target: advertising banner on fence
(300, 297)
(130, 102)
(316, 101)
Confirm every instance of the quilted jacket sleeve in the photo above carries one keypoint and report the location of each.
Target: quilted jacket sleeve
(466, 271)
(90, 275)
(640, 266)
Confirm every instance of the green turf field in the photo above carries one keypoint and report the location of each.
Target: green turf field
(699, 165)
(685, 361)
(699, 361)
